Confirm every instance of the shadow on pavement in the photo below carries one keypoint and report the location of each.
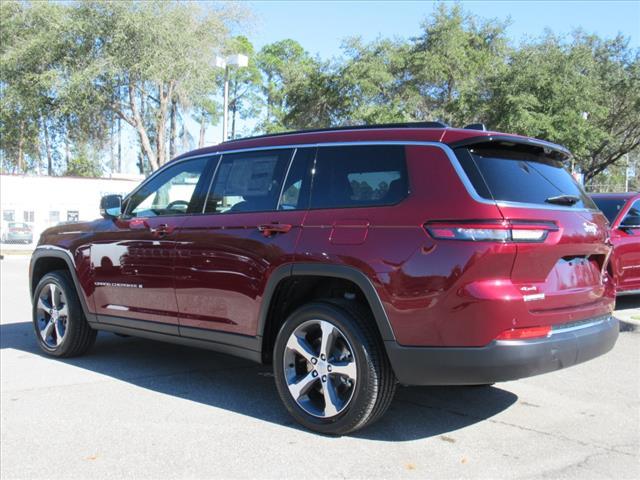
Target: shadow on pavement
(243, 387)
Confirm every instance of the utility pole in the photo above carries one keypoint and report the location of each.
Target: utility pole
(239, 61)
(225, 104)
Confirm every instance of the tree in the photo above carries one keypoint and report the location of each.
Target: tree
(451, 61)
(244, 83)
(284, 66)
(584, 94)
(133, 48)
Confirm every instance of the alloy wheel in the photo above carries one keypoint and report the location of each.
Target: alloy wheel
(320, 368)
(52, 315)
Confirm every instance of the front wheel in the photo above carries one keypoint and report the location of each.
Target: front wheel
(58, 320)
(330, 367)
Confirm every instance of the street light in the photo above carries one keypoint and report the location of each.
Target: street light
(239, 60)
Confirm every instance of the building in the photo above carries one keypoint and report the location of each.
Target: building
(42, 201)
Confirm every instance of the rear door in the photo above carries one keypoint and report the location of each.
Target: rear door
(250, 226)
(559, 273)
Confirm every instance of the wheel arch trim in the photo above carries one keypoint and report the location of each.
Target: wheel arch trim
(330, 271)
(43, 252)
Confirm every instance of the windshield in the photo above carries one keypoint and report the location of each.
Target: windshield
(520, 173)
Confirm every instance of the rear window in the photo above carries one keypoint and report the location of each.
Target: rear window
(610, 207)
(359, 176)
(519, 173)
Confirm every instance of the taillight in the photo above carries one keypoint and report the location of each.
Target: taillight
(525, 333)
(492, 231)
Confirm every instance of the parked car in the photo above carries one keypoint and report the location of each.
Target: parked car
(350, 259)
(623, 212)
(16, 232)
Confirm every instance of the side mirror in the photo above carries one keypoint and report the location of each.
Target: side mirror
(630, 221)
(111, 206)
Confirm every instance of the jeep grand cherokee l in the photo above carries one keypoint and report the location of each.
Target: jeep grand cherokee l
(350, 259)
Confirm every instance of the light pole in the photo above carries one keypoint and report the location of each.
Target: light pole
(239, 60)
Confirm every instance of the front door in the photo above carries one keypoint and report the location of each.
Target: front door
(132, 258)
(252, 222)
(626, 242)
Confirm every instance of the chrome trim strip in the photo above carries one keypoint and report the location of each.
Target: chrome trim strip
(286, 175)
(579, 326)
(213, 177)
(117, 307)
(443, 146)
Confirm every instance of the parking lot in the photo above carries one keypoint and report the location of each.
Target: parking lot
(140, 409)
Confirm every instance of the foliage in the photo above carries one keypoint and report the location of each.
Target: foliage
(84, 163)
(70, 70)
(584, 94)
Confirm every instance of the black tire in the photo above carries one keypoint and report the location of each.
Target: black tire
(78, 337)
(375, 384)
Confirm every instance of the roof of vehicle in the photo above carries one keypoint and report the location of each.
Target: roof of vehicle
(618, 195)
(406, 132)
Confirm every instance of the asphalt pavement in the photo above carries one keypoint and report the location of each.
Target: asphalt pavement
(134, 408)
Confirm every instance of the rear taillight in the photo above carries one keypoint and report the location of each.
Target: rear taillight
(492, 231)
(525, 333)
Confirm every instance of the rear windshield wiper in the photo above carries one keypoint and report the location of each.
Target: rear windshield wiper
(563, 200)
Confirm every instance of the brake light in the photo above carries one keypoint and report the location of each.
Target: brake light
(525, 333)
(492, 231)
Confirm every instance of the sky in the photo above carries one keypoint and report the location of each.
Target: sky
(321, 26)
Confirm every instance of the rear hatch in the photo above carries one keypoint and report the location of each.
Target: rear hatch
(561, 258)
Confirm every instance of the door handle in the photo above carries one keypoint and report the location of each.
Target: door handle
(162, 230)
(269, 229)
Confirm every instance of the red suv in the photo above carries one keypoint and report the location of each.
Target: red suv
(623, 212)
(351, 259)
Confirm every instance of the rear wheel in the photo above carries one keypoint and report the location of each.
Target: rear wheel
(331, 370)
(60, 325)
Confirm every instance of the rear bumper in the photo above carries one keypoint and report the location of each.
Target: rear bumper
(502, 361)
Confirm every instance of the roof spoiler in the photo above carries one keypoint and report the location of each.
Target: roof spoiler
(548, 147)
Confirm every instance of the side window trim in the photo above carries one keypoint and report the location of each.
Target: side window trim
(211, 180)
(200, 194)
(286, 177)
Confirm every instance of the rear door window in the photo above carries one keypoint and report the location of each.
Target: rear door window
(519, 173)
(359, 176)
(248, 182)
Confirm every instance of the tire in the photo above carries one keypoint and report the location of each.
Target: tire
(65, 333)
(355, 371)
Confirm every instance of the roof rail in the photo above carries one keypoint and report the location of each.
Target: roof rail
(353, 127)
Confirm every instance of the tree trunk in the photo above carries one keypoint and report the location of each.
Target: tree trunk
(119, 146)
(203, 128)
(136, 122)
(47, 146)
(67, 147)
(173, 131)
(21, 148)
(161, 121)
